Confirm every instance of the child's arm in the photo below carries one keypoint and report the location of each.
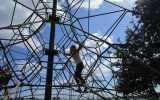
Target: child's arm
(80, 47)
(67, 54)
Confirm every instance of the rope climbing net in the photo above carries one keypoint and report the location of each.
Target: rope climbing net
(24, 39)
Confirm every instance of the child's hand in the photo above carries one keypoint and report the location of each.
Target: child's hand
(63, 47)
(80, 46)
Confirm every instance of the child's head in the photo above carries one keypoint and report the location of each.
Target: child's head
(72, 49)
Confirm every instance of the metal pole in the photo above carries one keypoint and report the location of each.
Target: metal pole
(49, 74)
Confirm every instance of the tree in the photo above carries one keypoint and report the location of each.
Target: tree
(144, 44)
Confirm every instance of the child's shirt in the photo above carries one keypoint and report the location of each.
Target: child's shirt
(77, 58)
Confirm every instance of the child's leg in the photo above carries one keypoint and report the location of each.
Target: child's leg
(78, 72)
(77, 78)
(77, 75)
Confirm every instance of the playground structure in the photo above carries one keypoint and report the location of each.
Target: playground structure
(38, 65)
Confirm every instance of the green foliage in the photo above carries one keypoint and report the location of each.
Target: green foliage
(144, 44)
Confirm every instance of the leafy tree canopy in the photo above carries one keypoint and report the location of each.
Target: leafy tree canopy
(144, 44)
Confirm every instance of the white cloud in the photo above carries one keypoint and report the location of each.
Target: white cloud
(124, 3)
(31, 43)
(20, 15)
(59, 11)
(115, 0)
(103, 68)
(95, 45)
(29, 68)
(105, 65)
(94, 4)
(100, 67)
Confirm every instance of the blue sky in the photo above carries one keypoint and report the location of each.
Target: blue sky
(98, 26)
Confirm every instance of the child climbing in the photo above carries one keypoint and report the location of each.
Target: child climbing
(74, 53)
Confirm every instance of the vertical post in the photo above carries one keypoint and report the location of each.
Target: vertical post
(49, 74)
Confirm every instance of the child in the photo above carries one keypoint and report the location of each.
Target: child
(74, 53)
